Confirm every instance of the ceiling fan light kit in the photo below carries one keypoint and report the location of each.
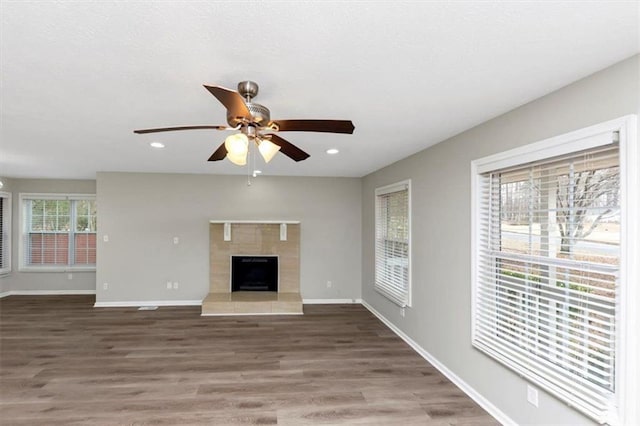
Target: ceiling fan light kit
(237, 146)
(267, 149)
(253, 121)
(238, 160)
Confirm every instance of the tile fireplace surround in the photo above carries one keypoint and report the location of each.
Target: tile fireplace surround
(244, 238)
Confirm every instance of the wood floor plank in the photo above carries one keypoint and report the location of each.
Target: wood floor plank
(63, 362)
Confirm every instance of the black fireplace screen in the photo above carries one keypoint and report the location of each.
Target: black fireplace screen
(254, 273)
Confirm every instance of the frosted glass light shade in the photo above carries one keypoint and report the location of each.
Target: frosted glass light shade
(237, 159)
(237, 146)
(268, 149)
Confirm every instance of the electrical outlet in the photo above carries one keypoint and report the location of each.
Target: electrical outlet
(169, 287)
(176, 285)
(105, 238)
(402, 312)
(532, 395)
(105, 286)
(176, 240)
(70, 276)
(329, 284)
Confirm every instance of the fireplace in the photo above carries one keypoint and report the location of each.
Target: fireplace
(254, 273)
(271, 283)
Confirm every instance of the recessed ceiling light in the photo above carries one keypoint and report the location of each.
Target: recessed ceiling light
(332, 151)
(158, 145)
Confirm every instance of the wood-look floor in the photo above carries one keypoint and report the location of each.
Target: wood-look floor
(64, 362)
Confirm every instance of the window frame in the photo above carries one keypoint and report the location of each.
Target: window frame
(384, 190)
(5, 199)
(624, 410)
(24, 216)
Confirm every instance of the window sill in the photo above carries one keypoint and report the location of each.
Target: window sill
(54, 269)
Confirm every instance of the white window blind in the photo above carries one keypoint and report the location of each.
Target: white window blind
(548, 273)
(59, 231)
(5, 235)
(392, 251)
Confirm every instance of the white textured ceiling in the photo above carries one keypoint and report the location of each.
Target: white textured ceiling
(77, 77)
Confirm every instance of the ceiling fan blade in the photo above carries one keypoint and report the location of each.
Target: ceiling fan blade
(219, 153)
(171, 129)
(289, 149)
(232, 101)
(328, 126)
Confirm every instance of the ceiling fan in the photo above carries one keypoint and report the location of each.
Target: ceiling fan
(253, 121)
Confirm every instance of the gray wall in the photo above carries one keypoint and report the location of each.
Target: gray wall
(439, 320)
(141, 213)
(43, 281)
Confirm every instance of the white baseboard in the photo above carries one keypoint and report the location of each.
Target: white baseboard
(330, 301)
(137, 304)
(234, 314)
(498, 414)
(45, 292)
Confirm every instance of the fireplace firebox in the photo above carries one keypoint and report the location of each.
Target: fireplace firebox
(254, 273)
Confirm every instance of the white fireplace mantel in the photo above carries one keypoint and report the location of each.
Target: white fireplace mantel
(283, 226)
(288, 222)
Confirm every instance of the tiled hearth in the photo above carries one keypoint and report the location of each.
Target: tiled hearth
(242, 238)
(252, 302)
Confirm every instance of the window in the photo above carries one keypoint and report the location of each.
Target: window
(59, 232)
(5, 232)
(393, 248)
(549, 236)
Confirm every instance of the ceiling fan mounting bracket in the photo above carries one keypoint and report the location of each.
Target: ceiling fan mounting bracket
(248, 89)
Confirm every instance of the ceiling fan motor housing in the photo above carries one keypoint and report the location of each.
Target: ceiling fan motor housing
(260, 115)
